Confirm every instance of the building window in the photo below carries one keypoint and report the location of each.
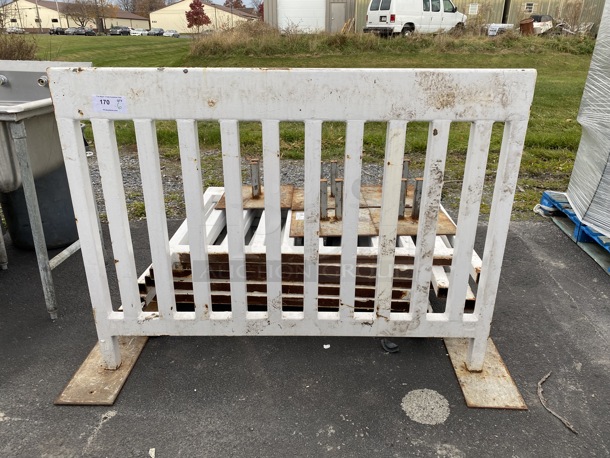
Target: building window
(473, 9)
(529, 7)
(13, 20)
(54, 20)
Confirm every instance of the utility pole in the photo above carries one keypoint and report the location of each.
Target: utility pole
(58, 15)
(38, 18)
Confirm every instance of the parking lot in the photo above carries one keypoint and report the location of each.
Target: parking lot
(277, 396)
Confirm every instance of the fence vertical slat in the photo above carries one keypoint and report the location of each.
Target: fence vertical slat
(495, 240)
(190, 158)
(116, 211)
(312, 97)
(313, 167)
(152, 187)
(392, 176)
(351, 214)
(273, 217)
(470, 203)
(231, 164)
(438, 137)
(85, 212)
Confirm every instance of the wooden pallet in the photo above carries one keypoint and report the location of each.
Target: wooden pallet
(592, 242)
(292, 267)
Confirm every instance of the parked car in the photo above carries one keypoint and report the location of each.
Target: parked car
(57, 31)
(156, 32)
(394, 17)
(70, 31)
(16, 30)
(171, 33)
(138, 32)
(119, 30)
(83, 31)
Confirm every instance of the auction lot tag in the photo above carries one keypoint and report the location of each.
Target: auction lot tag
(109, 103)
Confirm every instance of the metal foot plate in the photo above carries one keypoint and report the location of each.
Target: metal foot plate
(493, 387)
(92, 384)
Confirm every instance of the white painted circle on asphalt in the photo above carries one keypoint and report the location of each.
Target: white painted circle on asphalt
(427, 407)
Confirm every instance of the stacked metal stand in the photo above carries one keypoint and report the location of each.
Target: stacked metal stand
(292, 267)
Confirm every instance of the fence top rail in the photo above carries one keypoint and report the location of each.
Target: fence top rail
(252, 94)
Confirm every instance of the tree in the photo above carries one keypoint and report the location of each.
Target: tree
(83, 12)
(145, 7)
(196, 17)
(127, 5)
(235, 4)
(80, 11)
(104, 9)
(259, 8)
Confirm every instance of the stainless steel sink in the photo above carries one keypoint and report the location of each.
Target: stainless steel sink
(25, 96)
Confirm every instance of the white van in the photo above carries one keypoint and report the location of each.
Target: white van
(390, 17)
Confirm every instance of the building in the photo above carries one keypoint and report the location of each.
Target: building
(173, 17)
(483, 12)
(42, 15)
(331, 15)
(315, 15)
(574, 12)
(127, 19)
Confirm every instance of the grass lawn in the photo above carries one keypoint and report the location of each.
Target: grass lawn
(115, 51)
(551, 142)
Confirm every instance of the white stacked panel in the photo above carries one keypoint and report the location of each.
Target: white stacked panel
(589, 188)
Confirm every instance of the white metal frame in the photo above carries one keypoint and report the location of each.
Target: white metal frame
(312, 96)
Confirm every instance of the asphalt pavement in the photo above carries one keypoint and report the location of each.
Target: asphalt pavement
(315, 396)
